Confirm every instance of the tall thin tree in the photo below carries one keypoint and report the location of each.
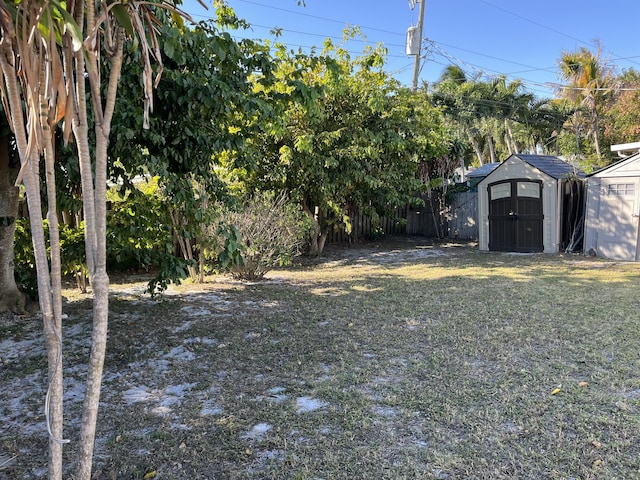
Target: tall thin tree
(49, 53)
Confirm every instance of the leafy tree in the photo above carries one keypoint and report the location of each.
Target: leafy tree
(358, 147)
(623, 110)
(204, 105)
(457, 96)
(588, 78)
(436, 172)
(546, 122)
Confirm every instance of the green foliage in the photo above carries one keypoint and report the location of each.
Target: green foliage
(140, 235)
(25, 264)
(622, 113)
(495, 117)
(170, 269)
(138, 230)
(232, 254)
(72, 253)
(589, 87)
(204, 105)
(209, 101)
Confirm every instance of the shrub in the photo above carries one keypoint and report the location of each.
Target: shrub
(140, 236)
(267, 231)
(25, 263)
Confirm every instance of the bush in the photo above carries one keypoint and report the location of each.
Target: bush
(268, 231)
(140, 236)
(25, 262)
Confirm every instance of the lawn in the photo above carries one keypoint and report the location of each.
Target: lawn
(397, 360)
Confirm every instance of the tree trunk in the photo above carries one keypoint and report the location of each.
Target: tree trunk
(51, 319)
(512, 144)
(11, 298)
(320, 234)
(54, 330)
(476, 149)
(596, 135)
(492, 150)
(184, 244)
(95, 235)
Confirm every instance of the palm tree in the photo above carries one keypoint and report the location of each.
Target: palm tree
(513, 104)
(49, 53)
(458, 96)
(589, 78)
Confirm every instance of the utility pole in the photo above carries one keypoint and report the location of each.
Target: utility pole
(416, 65)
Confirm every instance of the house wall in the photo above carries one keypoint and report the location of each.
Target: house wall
(513, 168)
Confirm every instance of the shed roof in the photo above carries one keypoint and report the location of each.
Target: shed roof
(553, 166)
(483, 170)
(629, 165)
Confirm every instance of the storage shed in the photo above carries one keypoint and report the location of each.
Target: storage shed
(523, 206)
(613, 211)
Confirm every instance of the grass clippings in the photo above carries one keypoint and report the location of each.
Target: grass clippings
(390, 361)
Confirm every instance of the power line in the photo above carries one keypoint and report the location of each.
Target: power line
(354, 39)
(316, 16)
(483, 72)
(546, 69)
(312, 47)
(452, 60)
(483, 69)
(559, 32)
(538, 24)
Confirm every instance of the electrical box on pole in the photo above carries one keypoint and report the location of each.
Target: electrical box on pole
(413, 41)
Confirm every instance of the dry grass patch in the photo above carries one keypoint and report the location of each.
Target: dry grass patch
(394, 361)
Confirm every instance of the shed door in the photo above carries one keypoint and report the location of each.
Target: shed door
(515, 216)
(619, 209)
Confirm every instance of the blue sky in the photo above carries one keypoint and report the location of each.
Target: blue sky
(522, 39)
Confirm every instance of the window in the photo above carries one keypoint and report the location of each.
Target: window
(502, 190)
(529, 189)
(621, 189)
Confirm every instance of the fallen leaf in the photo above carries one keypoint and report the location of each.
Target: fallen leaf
(597, 463)
(151, 474)
(596, 444)
(583, 384)
(555, 391)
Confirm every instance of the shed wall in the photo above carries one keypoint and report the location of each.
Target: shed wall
(612, 228)
(592, 221)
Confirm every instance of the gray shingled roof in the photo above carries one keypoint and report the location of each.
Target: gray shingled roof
(483, 170)
(553, 166)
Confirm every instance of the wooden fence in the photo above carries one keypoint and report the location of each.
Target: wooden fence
(459, 221)
(463, 216)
